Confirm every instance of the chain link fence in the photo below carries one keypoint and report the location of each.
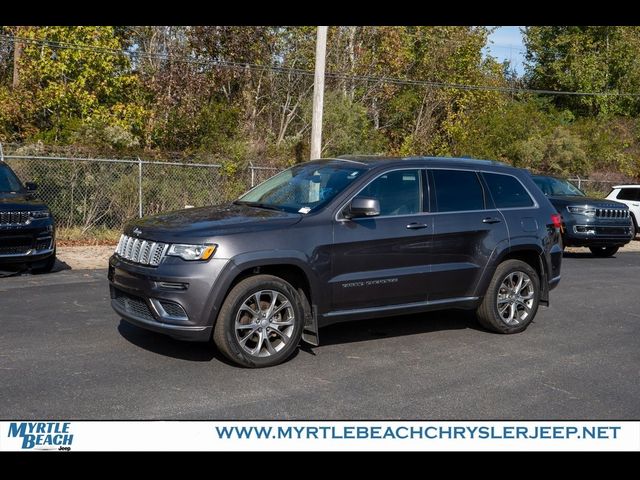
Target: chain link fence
(595, 188)
(89, 193)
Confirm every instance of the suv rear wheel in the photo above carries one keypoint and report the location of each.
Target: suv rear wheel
(260, 322)
(512, 299)
(603, 251)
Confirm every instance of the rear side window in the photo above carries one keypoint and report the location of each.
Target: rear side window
(629, 194)
(457, 190)
(507, 191)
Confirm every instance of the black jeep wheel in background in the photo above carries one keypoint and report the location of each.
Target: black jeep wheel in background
(512, 299)
(45, 266)
(603, 251)
(260, 322)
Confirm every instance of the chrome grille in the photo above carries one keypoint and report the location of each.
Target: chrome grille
(612, 213)
(137, 250)
(14, 218)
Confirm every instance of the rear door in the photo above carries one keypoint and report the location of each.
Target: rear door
(517, 206)
(384, 260)
(467, 229)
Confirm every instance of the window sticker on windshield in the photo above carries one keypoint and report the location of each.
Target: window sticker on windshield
(304, 210)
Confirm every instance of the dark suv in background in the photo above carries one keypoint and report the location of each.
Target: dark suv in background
(602, 225)
(342, 239)
(27, 230)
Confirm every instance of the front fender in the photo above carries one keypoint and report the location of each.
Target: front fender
(251, 260)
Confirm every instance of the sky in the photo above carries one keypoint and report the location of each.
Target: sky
(506, 44)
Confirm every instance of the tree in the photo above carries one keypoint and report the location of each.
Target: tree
(63, 89)
(586, 59)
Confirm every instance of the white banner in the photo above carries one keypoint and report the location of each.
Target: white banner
(319, 436)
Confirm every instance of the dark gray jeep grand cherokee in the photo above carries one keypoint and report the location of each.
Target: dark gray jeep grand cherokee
(343, 239)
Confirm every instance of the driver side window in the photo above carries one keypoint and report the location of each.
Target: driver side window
(399, 192)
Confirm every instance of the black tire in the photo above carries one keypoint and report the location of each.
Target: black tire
(226, 338)
(603, 252)
(488, 314)
(634, 226)
(46, 266)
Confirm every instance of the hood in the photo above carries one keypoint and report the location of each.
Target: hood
(565, 200)
(20, 201)
(200, 224)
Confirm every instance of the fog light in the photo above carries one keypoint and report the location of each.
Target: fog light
(173, 285)
(584, 229)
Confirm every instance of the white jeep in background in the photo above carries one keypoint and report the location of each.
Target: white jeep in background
(630, 196)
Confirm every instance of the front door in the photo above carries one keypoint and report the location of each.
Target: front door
(384, 260)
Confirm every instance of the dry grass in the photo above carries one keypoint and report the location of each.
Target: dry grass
(75, 237)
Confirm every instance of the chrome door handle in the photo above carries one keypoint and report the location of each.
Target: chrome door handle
(416, 226)
(491, 220)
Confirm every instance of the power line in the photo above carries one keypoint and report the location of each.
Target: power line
(298, 71)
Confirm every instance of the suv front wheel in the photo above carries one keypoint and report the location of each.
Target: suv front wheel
(512, 299)
(260, 322)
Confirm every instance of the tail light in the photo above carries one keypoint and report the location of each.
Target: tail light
(556, 219)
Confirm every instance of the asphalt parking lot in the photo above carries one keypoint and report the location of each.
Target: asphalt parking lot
(64, 354)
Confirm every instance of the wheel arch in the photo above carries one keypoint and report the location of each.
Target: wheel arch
(531, 254)
(290, 266)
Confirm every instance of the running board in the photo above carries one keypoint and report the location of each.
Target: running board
(310, 330)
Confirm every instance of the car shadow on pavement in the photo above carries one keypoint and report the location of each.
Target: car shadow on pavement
(60, 266)
(364, 330)
(167, 346)
(585, 255)
(14, 271)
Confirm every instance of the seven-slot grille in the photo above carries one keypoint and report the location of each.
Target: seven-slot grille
(612, 213)
(14, 218)
(144, 252)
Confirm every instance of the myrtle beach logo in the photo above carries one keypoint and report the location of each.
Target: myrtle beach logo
(42, 435)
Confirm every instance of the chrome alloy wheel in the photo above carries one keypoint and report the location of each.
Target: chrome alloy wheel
(264, 323)
(515, 298)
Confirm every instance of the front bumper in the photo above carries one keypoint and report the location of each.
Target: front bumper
(174, 298)
(580, 232)
(26, 244)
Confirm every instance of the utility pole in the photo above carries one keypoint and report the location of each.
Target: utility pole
(17, 52)
(318, 94)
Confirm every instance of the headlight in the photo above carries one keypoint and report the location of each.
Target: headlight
(191, 252)
(589, 212)
(39, 214)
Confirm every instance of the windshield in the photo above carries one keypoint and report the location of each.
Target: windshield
(8, 181)
(303, 188)
(552, 187)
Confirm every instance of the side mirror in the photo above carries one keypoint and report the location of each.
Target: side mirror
(363, 207)
(31, 186)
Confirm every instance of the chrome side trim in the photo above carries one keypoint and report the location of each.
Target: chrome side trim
(386, 308)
